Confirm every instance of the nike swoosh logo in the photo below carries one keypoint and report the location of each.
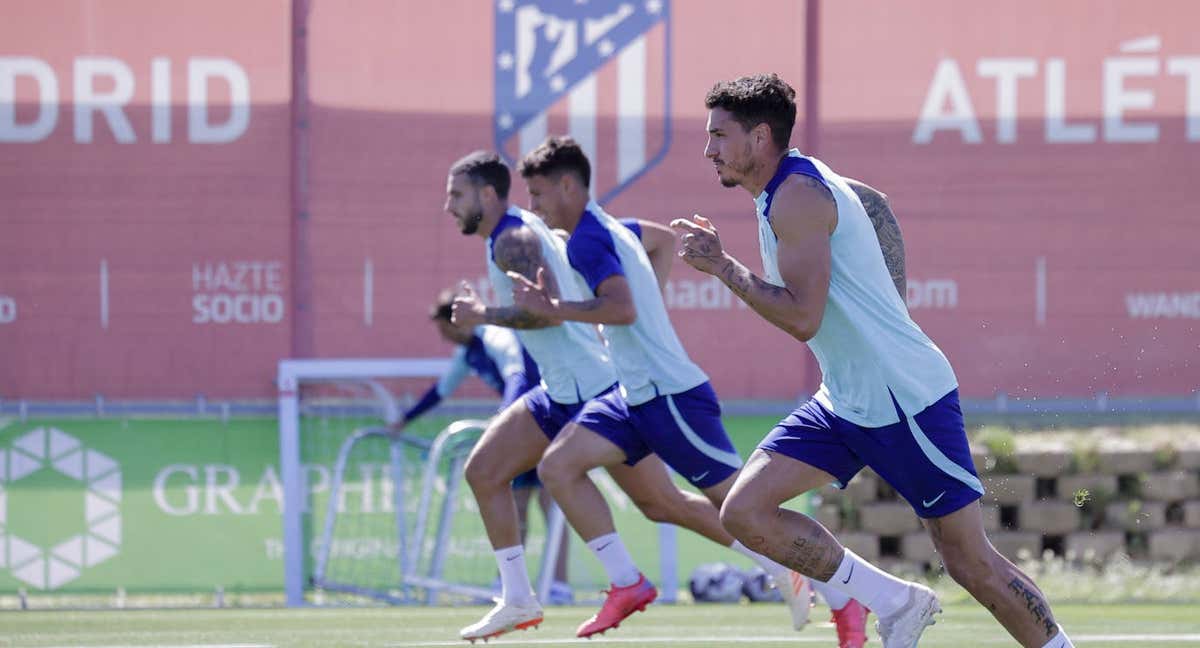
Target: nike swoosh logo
(603, 546)
(847, 581)
(701, 476)
(932, 501)
(511, 558)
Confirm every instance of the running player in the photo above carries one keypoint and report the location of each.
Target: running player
(667, 407)
(575, 368)
(574, 365)
(888, 397)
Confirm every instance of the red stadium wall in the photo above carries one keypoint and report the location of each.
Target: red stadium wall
(1039, 169)
(387, 126)
(148, 202)
(1040, 158)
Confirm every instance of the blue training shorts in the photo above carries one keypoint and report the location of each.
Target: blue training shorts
(683, 429)
(552, 415)
(924, 456)
(527, 479)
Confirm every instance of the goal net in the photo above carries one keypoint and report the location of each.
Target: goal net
(374, 517)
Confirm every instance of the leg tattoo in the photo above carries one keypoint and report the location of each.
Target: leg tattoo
(1035, 605)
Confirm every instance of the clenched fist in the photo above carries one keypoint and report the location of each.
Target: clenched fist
(701, 244)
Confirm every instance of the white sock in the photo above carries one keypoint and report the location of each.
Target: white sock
(835, 599)
(1060, 640)
(618, 564)
(878, 590)
(514, 578)
(777, 572)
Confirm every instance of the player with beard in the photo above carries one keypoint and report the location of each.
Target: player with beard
(888, 397)
(666, 406)
(575, 368)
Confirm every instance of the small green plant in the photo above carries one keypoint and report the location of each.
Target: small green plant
(1165, 455)
(1001, 445)
(1085, 457)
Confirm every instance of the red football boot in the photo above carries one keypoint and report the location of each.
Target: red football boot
(620, 603)
(851, 622)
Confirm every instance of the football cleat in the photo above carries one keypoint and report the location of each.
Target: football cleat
(904, 628)
(505, 617)
(620, 603)
(851, 624)
(797, 593)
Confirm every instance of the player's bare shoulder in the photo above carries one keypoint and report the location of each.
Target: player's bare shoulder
(805, 202)
(518, 249)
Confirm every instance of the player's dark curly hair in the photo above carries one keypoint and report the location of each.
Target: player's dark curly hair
(552, 157)
(758, 99)
(485, 168)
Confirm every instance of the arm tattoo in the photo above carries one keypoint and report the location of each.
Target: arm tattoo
(519, 250)
(752, 290)
(887, 230)
(743, 282)
(515, 318)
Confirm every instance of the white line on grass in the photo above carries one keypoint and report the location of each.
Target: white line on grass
(178, 646)
(521, 640)
(1138, 637)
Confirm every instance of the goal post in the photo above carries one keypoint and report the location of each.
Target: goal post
(368, 514)
(292, 375)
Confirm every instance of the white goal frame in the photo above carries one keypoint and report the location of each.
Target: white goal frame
(293, 373)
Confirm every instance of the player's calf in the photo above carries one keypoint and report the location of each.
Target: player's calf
(1010, 595)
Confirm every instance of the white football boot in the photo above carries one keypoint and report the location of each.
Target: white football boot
(797, 594)
(904, 628)
(505, 617)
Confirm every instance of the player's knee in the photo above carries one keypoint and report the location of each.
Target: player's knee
(655, 509)
(738, 517)
(970, 575)
(970, 566)
(555, 468)
(479, 472)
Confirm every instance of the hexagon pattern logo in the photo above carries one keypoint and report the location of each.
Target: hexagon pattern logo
(52, 567)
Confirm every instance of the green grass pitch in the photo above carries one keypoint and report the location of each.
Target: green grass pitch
(679, 626)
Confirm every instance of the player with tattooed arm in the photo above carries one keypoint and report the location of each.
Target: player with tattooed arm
(666, 406)
(888, 397)
(575, 369)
